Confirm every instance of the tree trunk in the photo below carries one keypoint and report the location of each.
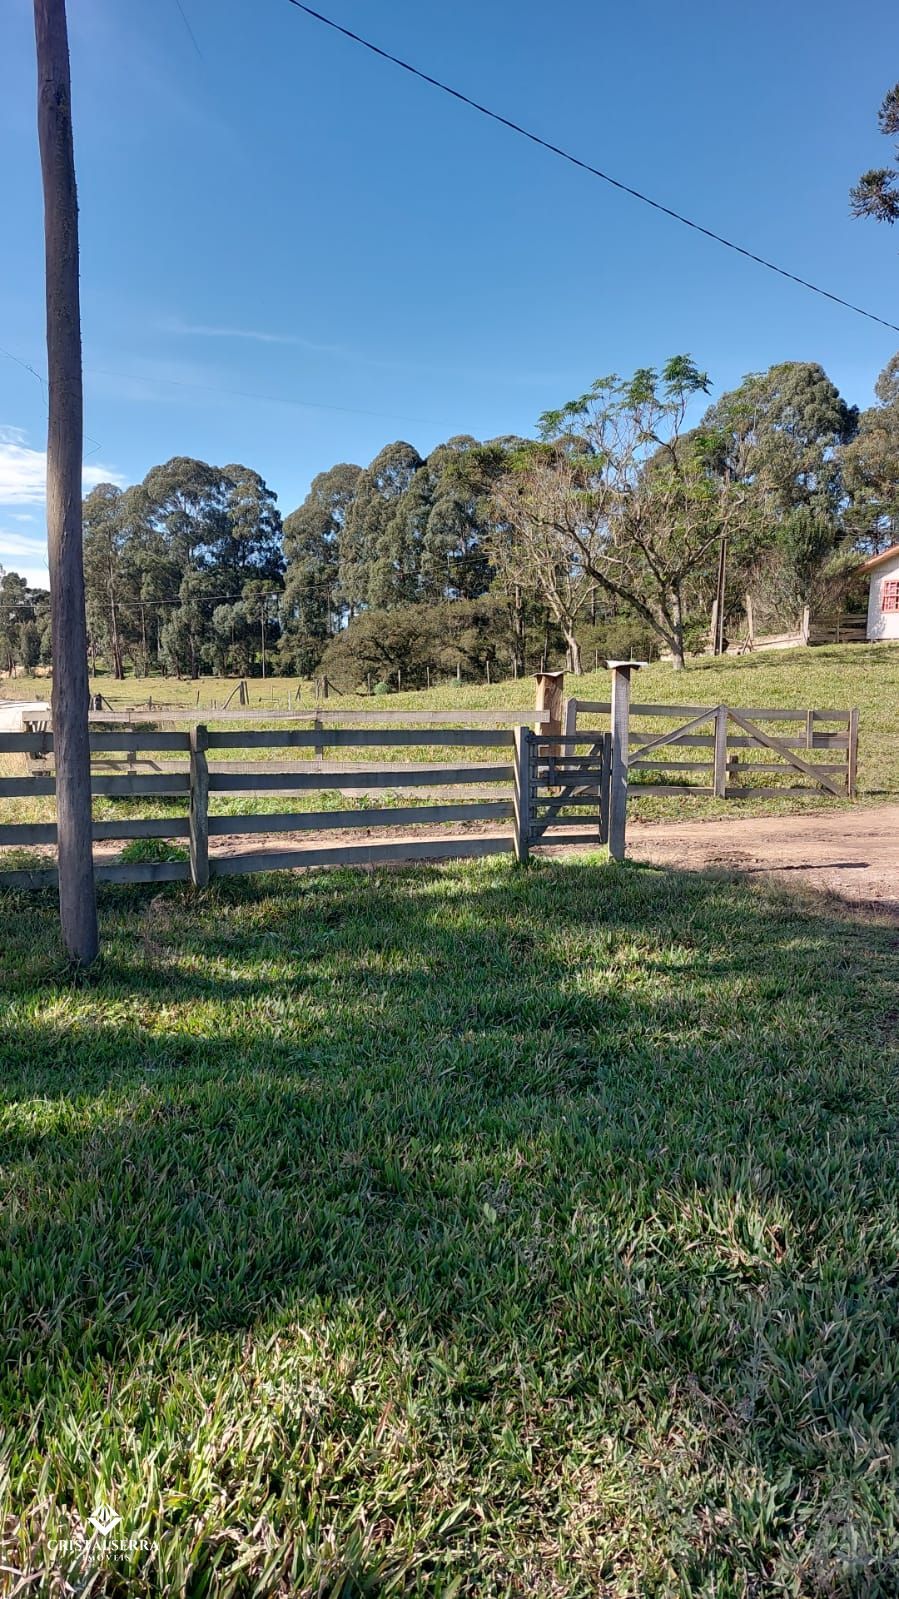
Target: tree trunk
(118, 670)
(518, 634)
(71, 744)
(574, 654)
(677, 639)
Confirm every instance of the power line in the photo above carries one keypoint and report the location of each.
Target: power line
(42, 381)
(240, 394)
(193, 37)
(9, 355)
(128, 602)
(271, 399)
(585, 166)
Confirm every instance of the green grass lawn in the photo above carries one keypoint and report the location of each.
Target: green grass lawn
(452, 1231)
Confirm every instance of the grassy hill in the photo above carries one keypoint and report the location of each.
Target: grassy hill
(834, 677)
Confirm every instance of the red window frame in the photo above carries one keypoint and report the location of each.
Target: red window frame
(889, 594)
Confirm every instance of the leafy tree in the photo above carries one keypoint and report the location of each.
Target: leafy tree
(410, 644)
(17, 613)
(24, 624)
(447, 508)
(615, 495)
(111, 579)
(780, 436)
(536, 548)
(378, 559)
(390, 645)
(877, 192)
(161, 556)
(781, 431)
(312, 550)
(250, 549)
(870, 466)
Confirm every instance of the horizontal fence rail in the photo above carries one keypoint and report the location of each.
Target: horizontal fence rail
(498, 719)
(488, 802)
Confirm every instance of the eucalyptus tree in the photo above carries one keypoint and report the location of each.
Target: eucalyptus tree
(378, 559)
(312, 549)
(870, 466)
(781, 435)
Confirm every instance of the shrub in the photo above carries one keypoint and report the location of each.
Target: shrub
(140, 850)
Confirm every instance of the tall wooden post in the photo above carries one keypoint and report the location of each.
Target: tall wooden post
(199, 807)
(719, 778)
(69, 698)
(852, 755)
(718, 607)
(548, 702)
(523, 782)
(621, 723)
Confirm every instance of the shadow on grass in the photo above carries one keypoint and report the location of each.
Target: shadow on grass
(625, 1136)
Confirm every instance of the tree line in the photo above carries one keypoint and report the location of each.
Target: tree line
(603, 534)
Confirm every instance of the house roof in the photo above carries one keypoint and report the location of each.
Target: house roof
(891, 554)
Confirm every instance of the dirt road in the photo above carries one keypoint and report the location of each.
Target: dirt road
(854, 854)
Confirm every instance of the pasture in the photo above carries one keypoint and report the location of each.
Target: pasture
(839, 676)
(461, 1230)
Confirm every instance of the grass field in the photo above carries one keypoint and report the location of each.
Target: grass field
(471, 1231)
(834, 677)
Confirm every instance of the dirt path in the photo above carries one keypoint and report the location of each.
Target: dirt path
(850, 853)
(853, 854)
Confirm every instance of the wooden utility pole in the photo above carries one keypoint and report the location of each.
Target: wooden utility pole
(71, 743)
(717, 630)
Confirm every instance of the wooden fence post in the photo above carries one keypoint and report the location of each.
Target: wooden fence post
(525, 746)
(719, 785)
(548, 704)
(604, 788)
(852, 764)
(199, 807)
(621, 723)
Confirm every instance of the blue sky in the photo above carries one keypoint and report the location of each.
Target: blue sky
(292, 253)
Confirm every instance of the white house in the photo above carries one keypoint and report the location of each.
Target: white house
(883, 594)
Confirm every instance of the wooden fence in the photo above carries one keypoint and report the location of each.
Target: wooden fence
(517, 787)
(728, 749)
(521, 786)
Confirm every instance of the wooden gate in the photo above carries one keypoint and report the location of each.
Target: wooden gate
(721, 752)
(728, 752)
(563, 787)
